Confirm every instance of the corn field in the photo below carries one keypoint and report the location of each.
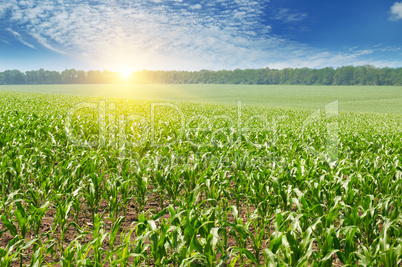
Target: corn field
(117, 182)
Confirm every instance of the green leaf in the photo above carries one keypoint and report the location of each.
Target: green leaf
(9, 225)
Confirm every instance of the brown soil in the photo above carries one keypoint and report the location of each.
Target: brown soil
(85, 222)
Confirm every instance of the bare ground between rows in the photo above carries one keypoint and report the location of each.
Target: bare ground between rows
(153, 206)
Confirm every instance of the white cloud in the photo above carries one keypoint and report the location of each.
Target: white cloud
(336, 59)
(390, 49)
(287, 15)
(19, 38)
(396, 11)
(43, 42)
(4, 6)
(149, 34)
(197, 6)
(171, 34)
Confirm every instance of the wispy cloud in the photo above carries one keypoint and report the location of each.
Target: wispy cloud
(353, 56)
(150, 34)
(396, 11)
(5, 6)
(19, 38)
(167, 34)
(287, 15)
(194, 7)
(6, 42)
(326, 59)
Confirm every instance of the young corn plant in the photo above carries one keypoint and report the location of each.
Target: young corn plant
(10, 253)
(141, 184)
(160, 179)
(23, 221)
(298, 253)
(77, 203)
(113, 198)
(36, 216)
(174, 188)
(347, 245)
(38, 257)
(92, 194)
(119, 255)
(99, 235)
(61, 221)
(390, 251)
(238, 230)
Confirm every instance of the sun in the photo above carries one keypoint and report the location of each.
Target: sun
(125, 74)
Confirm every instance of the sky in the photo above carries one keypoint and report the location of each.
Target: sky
(130, 35)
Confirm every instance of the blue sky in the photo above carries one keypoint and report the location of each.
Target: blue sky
(122, 35)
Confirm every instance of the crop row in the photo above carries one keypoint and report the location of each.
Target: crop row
(185, 184)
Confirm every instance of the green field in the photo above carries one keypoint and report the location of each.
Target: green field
(383, 99)
(90, 180)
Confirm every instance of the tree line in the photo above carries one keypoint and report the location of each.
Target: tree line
(347, 75)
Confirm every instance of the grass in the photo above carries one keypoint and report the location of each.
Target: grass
(381, 99)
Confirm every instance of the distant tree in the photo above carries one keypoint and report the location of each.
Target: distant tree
(285, 76)
(69, 76)
(12, 77)
(347, 75)
(94, 77)
(344, 75)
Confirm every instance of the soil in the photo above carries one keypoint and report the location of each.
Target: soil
(84, 221)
